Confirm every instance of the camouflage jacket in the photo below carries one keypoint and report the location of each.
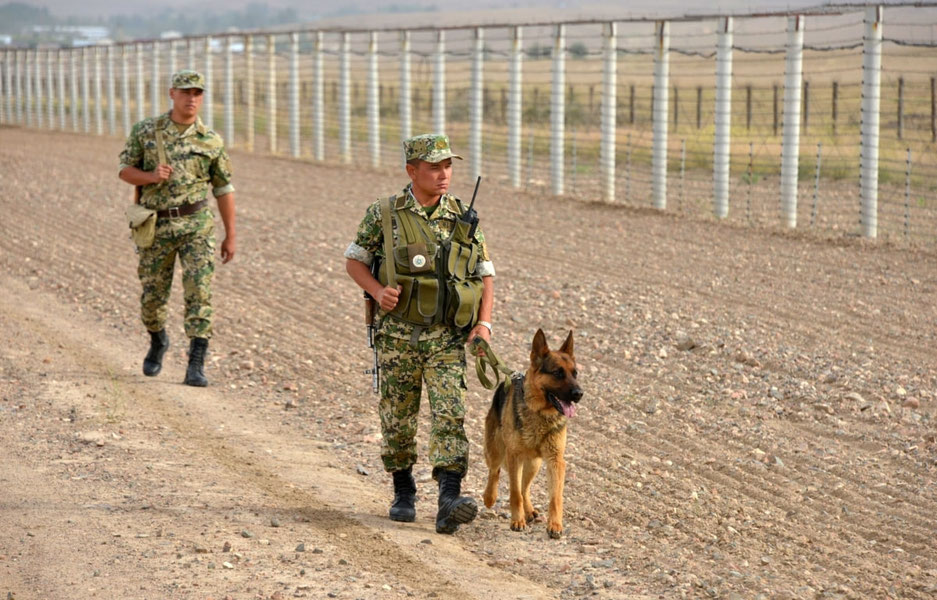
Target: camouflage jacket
(369, 244)
(197, 156)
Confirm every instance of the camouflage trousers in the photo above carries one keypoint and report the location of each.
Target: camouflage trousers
(196, 252)
(441, 364)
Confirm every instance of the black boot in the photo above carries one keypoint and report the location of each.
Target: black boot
(159, 343)
(194, 374)
(404, 506)
(454, 509)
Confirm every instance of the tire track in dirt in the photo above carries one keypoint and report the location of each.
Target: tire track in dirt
(190, 417)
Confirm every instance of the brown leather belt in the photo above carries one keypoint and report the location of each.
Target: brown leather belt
(181, 211)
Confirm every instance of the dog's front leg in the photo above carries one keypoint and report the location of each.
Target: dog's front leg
(518, 519)
(556, 469)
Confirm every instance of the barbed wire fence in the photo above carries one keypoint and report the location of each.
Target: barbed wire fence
(824, 120)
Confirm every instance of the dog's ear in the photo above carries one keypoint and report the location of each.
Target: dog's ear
(567, 346)
(539, 348)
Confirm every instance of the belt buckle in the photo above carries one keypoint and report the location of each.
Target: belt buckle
(174, 212)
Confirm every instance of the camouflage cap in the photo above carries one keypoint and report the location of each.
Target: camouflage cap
(187, 78)
(431, 147)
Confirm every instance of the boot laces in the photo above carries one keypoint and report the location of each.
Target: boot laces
(197, 355)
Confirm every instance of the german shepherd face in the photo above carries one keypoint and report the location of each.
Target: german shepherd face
(552, 376)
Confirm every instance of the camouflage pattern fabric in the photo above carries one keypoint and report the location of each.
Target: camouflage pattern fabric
(431, 147)
(200, 164)
(369, 244)
(439, 362)
(187, 78)
(197, 155)
(192, 239)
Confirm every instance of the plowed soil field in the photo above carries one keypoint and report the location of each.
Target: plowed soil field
(759, 417)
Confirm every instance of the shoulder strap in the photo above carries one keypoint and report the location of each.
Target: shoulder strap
(160, 150)
(388, 241)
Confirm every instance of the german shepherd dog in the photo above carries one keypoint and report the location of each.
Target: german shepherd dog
(527, 424)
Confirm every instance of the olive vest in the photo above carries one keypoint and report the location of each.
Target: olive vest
(437, 278)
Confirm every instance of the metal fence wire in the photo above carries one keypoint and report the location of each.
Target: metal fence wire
(823, 121)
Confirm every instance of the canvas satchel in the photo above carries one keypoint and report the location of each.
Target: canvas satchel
(142, 220)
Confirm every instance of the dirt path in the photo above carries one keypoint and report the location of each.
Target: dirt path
(759, 418)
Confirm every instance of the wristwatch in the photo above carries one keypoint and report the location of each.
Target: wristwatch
(485, 324)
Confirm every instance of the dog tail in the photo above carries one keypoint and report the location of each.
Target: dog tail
(497, 403)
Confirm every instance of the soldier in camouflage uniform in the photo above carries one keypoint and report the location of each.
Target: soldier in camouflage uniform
(411, 354)
(196, 162)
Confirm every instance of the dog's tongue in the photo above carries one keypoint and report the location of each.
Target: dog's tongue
(568, 409)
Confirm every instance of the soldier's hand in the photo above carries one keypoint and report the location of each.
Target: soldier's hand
(479, 331)
(388, 297)
(162, 173)
(227, 249)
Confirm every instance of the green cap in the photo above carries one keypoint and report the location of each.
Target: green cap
(187, 78)
(431, 147)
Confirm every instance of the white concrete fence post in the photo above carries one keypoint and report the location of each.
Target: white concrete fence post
(111, 91)
(190, 47)
(171, 67)
(476, 107)
(871, 105)
(208, 104)
(294, 95)
(229, 91)
(125, 88)
(85, 91)
(272, 93)
(156, 93)
(406, 104)
(661, 114)
(62, 62)
(98, 95)
(36, 85)
(8, 58)
(20, 63)
(50, 87)
(73, 86)
(249, 83)
(609, 112)
(344, 98)
(439, 84)
(374, 102)
(515, 107)
(318, 99)
(558, 110)
(141, 84)
(790, 144)
(722, 136)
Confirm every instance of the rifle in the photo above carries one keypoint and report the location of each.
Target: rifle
(370, 309)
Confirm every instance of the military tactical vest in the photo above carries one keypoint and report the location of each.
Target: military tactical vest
(437, 279)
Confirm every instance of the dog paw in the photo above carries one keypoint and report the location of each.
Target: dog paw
(532, 516)
(554, 535)
(518, 525)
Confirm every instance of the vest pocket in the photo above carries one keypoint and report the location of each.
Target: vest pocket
(427, 298)
(464, 300)
(462, 259)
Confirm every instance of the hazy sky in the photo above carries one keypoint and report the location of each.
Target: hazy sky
(311, 9)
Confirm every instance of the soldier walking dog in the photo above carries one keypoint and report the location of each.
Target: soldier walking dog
(435, 292)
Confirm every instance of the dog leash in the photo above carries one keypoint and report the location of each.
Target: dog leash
(485, 358)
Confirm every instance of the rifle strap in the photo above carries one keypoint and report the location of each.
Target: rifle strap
(388, 241)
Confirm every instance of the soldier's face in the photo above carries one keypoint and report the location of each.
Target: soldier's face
(430, 180)
(186, 103)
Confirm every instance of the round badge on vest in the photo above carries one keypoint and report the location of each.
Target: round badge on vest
(419, 261)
